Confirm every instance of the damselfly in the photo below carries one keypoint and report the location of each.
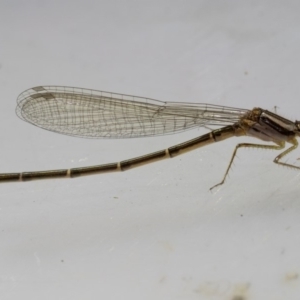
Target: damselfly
(95, 114)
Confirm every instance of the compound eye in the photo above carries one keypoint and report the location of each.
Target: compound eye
(297, 123)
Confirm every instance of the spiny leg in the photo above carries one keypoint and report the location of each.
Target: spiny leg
(294, 143)
(279, 146)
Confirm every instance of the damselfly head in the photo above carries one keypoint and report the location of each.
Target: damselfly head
(297, 123)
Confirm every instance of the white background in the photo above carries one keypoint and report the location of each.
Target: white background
(155, 232)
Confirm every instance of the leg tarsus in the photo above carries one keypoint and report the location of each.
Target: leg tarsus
(277, 159)
(278, 146)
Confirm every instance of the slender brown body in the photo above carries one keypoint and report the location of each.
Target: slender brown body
(206, 139)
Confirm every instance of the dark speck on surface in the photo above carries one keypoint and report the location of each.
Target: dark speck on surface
(238, 298)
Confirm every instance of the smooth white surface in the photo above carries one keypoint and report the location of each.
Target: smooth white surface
(154, 232)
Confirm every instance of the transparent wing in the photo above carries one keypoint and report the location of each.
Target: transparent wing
(95, 114)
